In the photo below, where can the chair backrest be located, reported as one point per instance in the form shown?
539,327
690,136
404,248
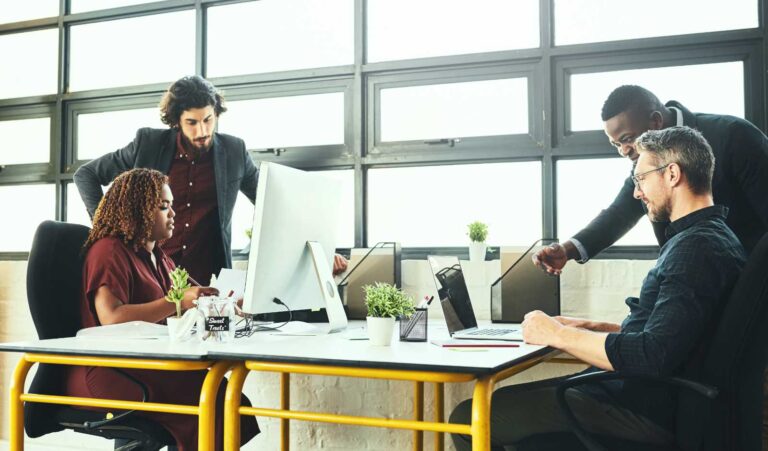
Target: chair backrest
54,279
734,362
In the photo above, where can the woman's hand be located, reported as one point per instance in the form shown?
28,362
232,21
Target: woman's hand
192,293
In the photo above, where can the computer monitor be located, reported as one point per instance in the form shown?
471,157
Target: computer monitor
295,220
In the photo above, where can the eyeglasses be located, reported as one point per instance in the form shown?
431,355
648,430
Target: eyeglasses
637,178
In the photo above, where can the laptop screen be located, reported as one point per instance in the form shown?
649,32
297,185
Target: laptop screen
452,292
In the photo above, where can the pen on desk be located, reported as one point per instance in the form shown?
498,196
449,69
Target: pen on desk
481,345
430,300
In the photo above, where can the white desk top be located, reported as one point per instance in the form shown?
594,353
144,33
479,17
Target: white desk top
161,349
331,349
334,349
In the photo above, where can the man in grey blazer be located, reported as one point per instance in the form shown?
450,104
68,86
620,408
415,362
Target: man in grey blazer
206,170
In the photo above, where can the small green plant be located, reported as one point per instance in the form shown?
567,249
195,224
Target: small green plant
179,283
385,301
477,231
248,233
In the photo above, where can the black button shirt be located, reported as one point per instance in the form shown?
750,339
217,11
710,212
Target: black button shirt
678,306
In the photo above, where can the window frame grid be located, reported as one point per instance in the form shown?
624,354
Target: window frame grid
549,66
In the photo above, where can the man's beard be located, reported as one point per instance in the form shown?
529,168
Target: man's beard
662,213
192,146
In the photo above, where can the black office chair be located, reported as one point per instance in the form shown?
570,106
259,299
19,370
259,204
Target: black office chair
721,393
54,279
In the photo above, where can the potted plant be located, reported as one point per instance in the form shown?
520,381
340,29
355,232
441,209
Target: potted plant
477,232
179,283
385,302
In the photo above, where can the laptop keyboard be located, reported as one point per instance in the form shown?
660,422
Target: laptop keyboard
491,332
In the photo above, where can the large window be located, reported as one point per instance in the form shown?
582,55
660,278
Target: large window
431,206
478,108
280,122
580,21
432,113
26,206
23,75
716,87
279,35
405,29
27,141
100,133
149,49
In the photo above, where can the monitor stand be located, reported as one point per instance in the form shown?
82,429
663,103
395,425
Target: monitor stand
337,319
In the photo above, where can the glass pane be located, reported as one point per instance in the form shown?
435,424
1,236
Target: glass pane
146,57
79,6
455,110
26,141
242,221
100,133
242,216
346,231
23,76
589,91
431,206
580,21
280,35
29,10
76,212
581,196
311,120
38,202
404,29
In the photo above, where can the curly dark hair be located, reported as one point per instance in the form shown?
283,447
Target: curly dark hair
630,98
186,93
127,209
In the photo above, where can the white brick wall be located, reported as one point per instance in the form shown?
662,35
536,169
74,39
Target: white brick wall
596,290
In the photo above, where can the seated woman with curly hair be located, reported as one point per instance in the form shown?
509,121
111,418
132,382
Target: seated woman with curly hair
125,278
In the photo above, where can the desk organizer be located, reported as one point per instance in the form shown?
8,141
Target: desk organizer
414,328
217,319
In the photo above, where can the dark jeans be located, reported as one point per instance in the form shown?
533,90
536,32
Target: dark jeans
520,411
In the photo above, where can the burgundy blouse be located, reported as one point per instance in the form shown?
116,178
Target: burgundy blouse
132,278
130,275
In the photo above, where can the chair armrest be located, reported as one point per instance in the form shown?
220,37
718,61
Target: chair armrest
707,391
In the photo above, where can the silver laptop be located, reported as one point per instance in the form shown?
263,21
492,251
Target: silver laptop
457,307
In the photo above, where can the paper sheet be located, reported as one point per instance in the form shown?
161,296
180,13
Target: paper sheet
231,280
131,329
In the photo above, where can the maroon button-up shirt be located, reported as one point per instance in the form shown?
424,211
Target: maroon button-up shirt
196,242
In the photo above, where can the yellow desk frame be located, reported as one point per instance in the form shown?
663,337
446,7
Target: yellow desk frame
205,410
481,405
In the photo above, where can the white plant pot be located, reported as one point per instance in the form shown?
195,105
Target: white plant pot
175,328
476,251
380,330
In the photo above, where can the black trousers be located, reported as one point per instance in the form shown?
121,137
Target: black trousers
521,411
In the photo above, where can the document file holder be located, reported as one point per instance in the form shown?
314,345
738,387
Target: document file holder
523,287
414,328
381,263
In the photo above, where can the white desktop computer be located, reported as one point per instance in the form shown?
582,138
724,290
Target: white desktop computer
293,242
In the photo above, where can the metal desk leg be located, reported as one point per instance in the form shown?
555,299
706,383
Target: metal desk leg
439,414
232,407
17,405
481,414
206,440
418,414
285,404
